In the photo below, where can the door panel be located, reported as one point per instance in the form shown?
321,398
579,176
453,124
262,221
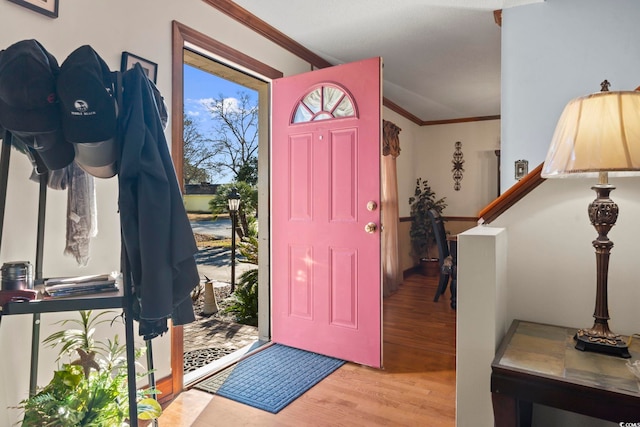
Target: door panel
300,295
300,177
326,280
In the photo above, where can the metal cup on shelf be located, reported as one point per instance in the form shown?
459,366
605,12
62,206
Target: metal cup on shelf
17,275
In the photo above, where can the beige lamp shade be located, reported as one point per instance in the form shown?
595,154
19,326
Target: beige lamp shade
596,133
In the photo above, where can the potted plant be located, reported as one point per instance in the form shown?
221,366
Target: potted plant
421,232
91,390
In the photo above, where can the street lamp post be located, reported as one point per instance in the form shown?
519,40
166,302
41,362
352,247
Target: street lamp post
234,204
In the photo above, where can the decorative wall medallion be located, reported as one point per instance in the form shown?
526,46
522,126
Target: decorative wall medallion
457,166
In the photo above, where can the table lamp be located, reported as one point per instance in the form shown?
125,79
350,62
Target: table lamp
598,134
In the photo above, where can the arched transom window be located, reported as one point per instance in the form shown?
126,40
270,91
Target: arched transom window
324,103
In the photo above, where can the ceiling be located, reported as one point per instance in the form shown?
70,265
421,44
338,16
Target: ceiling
441,57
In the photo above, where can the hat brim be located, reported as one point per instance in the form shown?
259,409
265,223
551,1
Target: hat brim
30,120
98,158
36,160
55,151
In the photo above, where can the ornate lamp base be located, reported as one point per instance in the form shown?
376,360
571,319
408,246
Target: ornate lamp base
603,213
599,342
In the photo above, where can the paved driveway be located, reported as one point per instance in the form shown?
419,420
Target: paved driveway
220,228
215,262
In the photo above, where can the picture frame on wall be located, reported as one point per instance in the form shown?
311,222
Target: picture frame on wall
46,7
129,60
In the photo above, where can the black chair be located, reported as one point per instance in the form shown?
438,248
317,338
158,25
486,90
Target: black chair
447,257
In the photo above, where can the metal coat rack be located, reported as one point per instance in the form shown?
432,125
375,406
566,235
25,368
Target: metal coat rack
36,307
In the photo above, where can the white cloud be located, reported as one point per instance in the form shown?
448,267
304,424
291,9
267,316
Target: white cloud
195,105
230,104
193,113
204,102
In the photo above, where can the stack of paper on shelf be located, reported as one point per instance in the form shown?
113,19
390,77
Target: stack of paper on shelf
81,285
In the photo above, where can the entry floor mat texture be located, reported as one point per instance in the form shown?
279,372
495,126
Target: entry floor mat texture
272,378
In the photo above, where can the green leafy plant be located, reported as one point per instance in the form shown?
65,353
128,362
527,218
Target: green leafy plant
91,390
244,301
245,298
248,205
421,232
248,247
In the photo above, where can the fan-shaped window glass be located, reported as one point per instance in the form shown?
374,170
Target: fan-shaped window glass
324,103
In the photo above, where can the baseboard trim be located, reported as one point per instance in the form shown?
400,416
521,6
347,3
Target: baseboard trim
413,270
165,387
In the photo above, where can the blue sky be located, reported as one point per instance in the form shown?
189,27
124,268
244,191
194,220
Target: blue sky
200,86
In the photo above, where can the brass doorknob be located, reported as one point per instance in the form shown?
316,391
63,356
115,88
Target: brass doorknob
371,227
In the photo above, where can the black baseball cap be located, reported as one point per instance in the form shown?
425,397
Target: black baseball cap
89,111
28,103
55,152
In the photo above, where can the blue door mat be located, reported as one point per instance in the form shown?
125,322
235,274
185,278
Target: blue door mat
272,378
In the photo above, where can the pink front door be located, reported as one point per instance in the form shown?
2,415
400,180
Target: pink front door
326,276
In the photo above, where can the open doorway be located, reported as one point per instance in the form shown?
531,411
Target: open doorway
220,161
205,54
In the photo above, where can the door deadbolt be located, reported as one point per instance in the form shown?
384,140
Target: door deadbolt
372,206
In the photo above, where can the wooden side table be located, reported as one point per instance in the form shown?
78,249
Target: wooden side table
538,363
453,251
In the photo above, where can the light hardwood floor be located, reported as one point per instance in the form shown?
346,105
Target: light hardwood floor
416,387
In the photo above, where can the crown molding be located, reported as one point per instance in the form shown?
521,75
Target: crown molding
256,24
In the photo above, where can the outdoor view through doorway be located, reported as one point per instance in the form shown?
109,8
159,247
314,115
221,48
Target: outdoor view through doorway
220,154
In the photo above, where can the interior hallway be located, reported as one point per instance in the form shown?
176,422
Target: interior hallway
417,386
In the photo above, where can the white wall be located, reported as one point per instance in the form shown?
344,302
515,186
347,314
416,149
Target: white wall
553,52
551,266
550,278
142,27
481,321
433,155
550,272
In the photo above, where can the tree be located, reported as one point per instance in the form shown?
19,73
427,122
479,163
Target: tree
235,130
249,172
198,154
